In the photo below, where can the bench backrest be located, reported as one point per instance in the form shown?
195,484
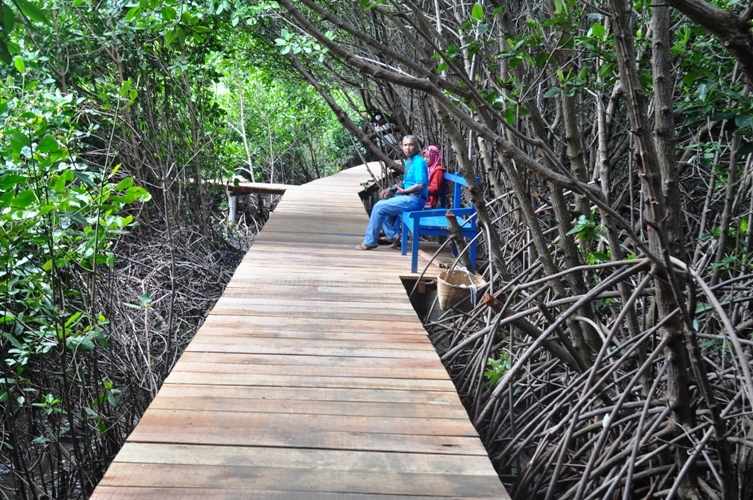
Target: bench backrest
458,181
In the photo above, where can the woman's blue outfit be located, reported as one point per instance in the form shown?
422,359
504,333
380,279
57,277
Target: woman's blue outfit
385,213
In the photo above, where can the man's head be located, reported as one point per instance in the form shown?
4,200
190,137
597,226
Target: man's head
410,146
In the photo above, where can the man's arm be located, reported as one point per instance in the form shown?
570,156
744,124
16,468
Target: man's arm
414,188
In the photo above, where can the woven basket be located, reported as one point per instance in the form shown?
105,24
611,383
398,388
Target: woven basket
454,289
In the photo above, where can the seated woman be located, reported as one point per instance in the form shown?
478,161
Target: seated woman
433,158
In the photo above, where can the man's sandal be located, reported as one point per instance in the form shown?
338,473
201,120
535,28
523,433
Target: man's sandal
364,246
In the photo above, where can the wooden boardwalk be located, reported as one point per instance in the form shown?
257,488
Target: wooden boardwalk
311,378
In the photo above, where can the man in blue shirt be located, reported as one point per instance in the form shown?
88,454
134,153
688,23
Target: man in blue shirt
411,196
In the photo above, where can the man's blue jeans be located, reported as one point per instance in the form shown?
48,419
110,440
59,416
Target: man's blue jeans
384,216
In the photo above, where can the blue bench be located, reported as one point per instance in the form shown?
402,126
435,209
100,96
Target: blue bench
433,222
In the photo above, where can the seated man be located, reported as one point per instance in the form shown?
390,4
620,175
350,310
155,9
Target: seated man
411,196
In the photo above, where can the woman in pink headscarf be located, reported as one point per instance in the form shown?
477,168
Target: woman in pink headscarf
433,158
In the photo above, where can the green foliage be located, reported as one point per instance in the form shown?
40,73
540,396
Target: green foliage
705,87
55,215
58,220
9,19
587,229
297,44
497,368
290,132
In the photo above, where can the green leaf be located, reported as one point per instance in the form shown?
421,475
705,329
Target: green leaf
124,184
510,114
8,181
48,144
743,121
19,63
478,12
79,343
7,18
442,67
560,7
10,338
60,183
23,199
73,319
133,13
170,36
598,30
702,92
606,70
743,226
169,14
31,11
5,56
125,87
7,317
552,92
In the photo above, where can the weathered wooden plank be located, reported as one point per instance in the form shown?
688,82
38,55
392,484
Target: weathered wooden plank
314,326
382,396
281,361
307,334
382,325
273,405
299,480
248,456
298,305
139,493
181,377
250,423
207,344
405,373
295,438
393,297
318,344
353,315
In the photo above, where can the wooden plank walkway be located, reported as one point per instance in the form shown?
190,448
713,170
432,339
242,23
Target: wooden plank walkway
311,378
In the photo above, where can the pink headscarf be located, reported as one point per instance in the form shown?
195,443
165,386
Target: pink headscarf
434,157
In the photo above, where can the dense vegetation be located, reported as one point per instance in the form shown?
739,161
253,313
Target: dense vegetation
613,144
